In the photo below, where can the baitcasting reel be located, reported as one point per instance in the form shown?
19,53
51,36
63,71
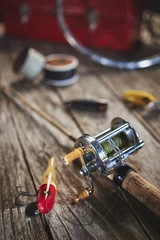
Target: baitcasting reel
107,150
107,153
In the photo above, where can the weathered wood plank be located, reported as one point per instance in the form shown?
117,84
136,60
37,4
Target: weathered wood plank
144,166
12,172
80,90
137,208
83,123
54,108
94,123
151,223
67,182
32,224
120,82
91,86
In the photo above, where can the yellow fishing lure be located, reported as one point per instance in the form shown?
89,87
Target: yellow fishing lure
138,97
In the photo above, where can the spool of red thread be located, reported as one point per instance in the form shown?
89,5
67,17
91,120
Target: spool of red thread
61,70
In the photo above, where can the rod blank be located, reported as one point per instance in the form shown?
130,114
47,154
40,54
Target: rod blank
13,94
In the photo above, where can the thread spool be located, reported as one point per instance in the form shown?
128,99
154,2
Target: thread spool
29,62
60,70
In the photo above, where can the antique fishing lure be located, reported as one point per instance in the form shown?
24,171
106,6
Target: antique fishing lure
106,153
99,105
143,99
138,97
46,194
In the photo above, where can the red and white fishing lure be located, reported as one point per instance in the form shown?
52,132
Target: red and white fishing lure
46,194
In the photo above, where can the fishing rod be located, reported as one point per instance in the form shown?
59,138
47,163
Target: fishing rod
13,95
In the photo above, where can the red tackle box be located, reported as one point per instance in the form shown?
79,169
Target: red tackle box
115,23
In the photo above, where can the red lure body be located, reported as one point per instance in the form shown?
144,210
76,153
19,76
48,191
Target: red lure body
47,191
46,198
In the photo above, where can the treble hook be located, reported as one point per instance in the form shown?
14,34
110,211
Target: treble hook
22,193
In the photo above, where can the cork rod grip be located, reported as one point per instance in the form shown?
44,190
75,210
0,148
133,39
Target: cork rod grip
142,190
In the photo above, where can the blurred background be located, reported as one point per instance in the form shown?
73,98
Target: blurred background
111,25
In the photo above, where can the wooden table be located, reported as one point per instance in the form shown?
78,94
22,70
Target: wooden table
108,214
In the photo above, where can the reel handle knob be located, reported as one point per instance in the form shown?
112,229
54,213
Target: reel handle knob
138,187
76,153
80,196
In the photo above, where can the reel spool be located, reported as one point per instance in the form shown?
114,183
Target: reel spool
107,150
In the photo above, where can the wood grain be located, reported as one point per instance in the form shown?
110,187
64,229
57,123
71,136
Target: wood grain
146,80
14,224
67,183
92,219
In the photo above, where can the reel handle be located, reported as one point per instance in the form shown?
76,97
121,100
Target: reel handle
75,154
138,187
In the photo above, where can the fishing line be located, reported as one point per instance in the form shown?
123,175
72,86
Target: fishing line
94,215
120,189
